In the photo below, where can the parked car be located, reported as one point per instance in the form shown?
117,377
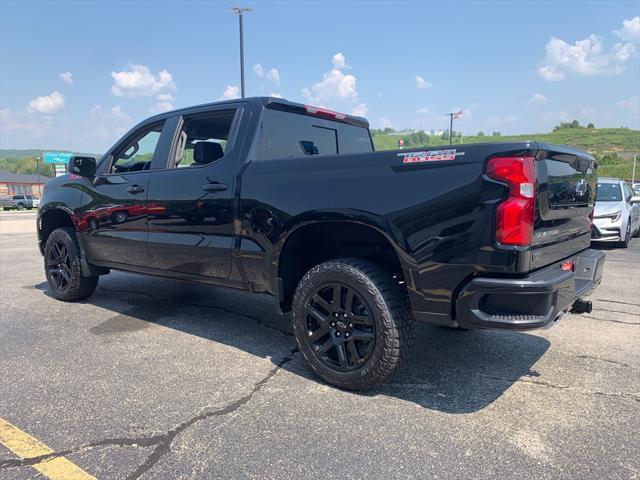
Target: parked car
20,202
266,195
616,217
636,189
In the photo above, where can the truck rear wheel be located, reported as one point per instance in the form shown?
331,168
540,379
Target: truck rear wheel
351,322
63,268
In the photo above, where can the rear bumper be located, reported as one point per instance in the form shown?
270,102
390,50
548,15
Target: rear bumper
528,302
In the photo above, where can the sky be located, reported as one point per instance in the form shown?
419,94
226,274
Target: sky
76,75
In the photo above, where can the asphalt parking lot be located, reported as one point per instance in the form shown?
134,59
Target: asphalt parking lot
153,378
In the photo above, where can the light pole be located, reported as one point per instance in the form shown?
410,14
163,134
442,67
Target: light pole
451,117
38,174
241,11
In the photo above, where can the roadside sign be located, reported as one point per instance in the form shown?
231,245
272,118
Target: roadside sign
60,169
57,157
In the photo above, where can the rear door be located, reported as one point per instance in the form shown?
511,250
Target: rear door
113,217
566,191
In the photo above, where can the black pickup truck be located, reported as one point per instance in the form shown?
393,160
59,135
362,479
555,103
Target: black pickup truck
270,196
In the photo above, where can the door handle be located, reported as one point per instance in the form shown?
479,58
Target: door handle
215,187
135,189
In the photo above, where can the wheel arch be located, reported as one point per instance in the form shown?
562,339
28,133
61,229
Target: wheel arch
54,217
311,242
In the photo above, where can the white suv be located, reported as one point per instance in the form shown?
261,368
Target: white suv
617,214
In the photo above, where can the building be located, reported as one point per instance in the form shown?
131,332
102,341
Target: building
21,184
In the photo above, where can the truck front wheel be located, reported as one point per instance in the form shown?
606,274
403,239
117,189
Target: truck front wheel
351,322
63,268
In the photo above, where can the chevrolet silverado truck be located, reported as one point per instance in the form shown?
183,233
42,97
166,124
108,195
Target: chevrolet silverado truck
270,196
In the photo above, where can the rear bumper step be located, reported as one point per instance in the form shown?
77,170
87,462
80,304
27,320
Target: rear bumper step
533,301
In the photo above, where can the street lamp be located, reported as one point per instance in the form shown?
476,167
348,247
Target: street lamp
241,11
453,115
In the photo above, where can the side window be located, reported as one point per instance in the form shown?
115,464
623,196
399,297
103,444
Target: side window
286,135
204,139
137,153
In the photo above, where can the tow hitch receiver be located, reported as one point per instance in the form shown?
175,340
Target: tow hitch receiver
581,306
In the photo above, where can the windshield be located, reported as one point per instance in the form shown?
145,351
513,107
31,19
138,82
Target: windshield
609,192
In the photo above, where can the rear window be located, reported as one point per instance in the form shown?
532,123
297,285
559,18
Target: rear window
287,135
609,192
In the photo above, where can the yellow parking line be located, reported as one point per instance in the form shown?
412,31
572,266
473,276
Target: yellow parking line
25,446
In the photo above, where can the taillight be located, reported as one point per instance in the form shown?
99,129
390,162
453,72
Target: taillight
515,216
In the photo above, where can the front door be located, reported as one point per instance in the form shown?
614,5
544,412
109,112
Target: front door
113,218
190,203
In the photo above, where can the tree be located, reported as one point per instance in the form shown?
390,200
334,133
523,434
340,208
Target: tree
496,134
388,130
481,133
591,125
575,124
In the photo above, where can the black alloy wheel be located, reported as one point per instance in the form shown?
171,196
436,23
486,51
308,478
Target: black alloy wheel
59,265
340,328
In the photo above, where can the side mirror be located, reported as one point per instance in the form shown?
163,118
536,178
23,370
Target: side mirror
635,199
83,166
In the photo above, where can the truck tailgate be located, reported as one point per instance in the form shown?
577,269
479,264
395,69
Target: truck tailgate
566,189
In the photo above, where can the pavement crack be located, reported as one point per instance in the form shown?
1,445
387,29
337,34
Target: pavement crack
543,383
618,301
162,442
593,357
610,320
202,305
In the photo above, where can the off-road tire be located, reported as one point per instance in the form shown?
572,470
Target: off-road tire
77,287
387,304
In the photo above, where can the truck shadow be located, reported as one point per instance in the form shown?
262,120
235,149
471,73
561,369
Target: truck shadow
449,371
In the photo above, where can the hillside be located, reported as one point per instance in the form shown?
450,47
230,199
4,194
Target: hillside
613,147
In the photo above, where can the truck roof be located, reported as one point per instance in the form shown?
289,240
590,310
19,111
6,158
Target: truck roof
276,104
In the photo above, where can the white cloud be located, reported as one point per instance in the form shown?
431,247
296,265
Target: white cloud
67,77
231,92
559,116
422,83
335,85
384,122
537,99
164,103
360,110
632,105
14,122
273,75
631,102
424,111
47,104
276,95
108,125
630,29
584,57
138,81
549,73
339,61
258,70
